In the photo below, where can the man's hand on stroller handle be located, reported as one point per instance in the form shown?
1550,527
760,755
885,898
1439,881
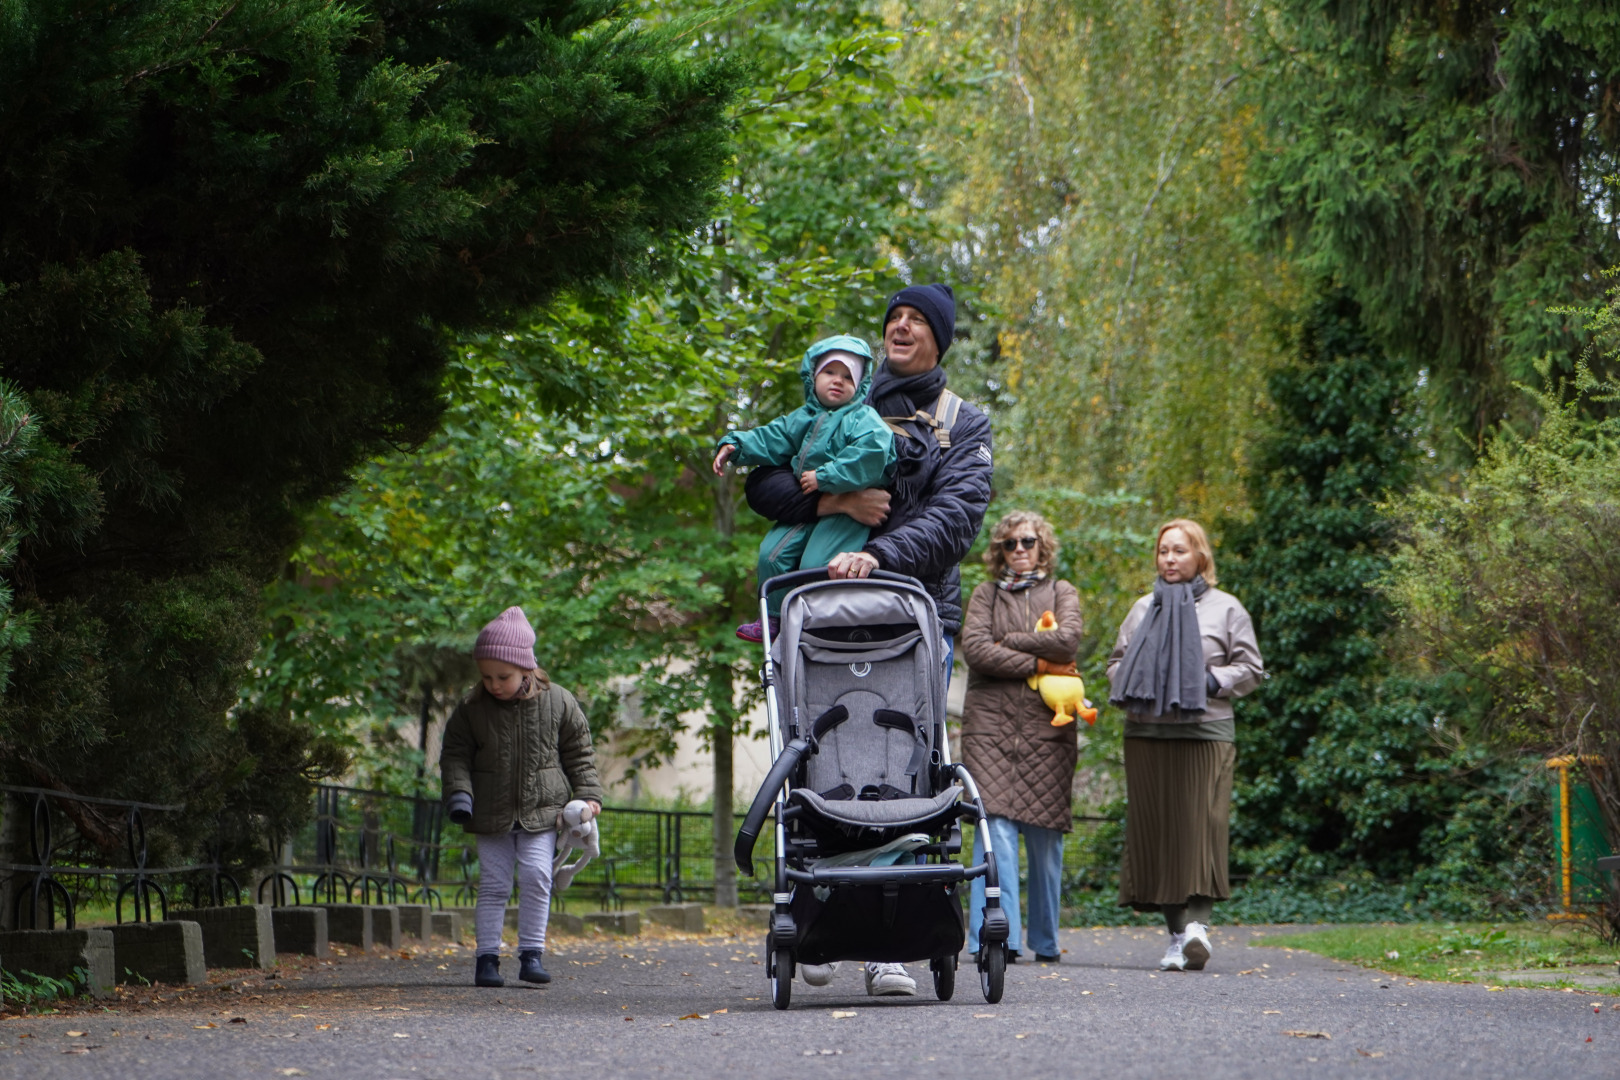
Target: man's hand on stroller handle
851,564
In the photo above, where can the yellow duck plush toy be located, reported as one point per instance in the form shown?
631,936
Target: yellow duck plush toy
1065,694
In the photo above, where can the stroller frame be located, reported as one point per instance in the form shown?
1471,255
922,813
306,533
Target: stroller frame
792,869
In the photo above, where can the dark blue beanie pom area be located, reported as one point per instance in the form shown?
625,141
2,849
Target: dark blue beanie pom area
938,306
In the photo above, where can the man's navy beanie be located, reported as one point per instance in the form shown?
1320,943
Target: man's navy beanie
938,306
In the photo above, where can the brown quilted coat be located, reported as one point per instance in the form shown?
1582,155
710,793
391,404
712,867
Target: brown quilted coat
1023,765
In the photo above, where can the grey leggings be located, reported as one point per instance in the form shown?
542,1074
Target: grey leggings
1196,909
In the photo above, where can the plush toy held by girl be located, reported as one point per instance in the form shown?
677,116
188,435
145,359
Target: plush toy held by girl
835,443
515,752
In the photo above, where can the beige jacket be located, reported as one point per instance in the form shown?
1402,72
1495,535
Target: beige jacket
1230,651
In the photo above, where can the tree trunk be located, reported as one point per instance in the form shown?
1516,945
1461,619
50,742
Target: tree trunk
724,865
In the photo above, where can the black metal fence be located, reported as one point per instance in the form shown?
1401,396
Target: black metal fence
374,846
379,847
69,837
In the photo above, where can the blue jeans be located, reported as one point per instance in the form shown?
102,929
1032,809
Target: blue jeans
1045,848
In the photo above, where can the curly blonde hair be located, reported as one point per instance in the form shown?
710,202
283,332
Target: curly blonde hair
1199,541
996,559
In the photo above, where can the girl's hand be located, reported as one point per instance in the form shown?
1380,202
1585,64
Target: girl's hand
596,807
807,482
721,456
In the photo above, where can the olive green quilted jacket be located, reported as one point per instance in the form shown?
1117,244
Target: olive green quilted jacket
520,760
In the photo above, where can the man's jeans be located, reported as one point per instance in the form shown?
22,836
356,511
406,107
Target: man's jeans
1045,883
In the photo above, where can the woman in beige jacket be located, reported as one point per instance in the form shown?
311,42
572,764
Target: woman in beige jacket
1024,765
1184,652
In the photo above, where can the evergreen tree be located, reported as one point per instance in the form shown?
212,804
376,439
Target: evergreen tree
1444,163
1345,762
238,239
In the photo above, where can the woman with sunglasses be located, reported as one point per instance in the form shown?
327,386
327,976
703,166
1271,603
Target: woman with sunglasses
1183,653
1023,764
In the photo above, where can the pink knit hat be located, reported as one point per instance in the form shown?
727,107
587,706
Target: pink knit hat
508,637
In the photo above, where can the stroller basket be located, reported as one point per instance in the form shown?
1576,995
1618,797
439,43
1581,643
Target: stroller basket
866,801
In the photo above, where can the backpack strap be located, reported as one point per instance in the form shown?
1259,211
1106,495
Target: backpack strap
940,421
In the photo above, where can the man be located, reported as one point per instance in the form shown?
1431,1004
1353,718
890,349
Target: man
925,525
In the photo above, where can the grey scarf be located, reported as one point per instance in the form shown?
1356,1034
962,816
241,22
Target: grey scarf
1163,670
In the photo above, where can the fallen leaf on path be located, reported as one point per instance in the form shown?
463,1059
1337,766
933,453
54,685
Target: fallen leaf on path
1308,1034
717,1012
1369,1053
984,1016
400,1035
629,1018
323,1027
1085,993
202,1027
841,1015
1272,1012
292,1072
77,1050
1493,989
695,1016
77,1034
1023,1035
238,1019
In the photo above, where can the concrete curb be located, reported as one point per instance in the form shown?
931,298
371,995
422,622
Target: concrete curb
168,952
301,930
235,936
55,953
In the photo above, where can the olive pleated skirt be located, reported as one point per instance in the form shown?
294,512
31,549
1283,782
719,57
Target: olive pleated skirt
1178,803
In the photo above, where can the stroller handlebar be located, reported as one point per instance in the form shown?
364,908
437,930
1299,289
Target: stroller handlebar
794,578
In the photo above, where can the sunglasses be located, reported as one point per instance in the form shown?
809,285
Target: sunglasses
1025,542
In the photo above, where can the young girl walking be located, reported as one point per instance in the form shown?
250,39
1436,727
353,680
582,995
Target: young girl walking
515,751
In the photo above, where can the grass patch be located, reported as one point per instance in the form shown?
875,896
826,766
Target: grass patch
1460,952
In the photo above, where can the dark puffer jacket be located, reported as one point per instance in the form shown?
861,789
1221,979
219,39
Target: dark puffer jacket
521,760
1023,765
937,501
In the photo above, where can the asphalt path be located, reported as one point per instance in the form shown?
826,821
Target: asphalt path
698,1006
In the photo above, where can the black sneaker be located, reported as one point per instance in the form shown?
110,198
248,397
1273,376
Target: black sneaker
489,971
1043,958
531,969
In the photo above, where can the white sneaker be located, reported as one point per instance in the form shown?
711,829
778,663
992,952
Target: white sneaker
1174,959
1195,946
889,980
818,974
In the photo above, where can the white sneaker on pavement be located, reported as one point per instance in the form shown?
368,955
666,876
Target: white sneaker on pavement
1195,946
818,974
889,980
1174,959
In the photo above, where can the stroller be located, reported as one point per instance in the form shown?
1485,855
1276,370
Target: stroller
863,789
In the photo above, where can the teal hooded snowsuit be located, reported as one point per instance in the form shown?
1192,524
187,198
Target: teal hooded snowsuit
850,448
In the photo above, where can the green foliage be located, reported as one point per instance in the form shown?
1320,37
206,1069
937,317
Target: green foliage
236,245
572,475
1443,163
29,990
1347,762
1511,582
1099,158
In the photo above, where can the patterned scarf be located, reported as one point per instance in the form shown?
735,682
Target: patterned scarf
1014,580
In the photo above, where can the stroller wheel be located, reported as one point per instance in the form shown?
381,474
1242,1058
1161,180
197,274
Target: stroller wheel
944,977
782,979
781,972
992,970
